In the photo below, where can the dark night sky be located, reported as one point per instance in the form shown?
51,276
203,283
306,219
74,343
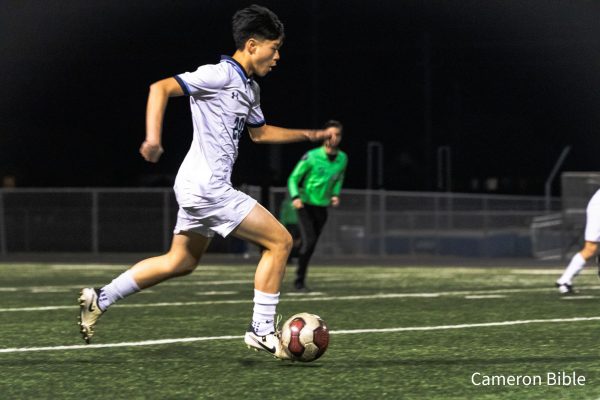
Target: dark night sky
505,84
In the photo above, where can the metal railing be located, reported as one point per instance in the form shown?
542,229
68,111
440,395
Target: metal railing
384,223
94,220
367,222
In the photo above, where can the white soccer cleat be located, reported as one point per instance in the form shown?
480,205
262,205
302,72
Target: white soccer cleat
565,288
89,312
270,343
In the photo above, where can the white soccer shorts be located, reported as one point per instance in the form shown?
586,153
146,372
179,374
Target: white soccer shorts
221,214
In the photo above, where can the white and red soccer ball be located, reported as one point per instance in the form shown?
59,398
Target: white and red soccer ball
305,336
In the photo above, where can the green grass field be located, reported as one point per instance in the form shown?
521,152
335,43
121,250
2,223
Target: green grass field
398,333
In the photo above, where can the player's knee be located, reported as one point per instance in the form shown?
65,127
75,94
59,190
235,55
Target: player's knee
592,248
286,242
182,265
589,250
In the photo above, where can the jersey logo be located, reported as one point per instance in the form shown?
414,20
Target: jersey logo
238,127
235,95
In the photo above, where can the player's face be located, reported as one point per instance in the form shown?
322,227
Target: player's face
334,140
265,56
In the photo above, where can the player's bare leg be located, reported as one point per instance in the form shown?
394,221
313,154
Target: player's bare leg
187,248
261,228
186,251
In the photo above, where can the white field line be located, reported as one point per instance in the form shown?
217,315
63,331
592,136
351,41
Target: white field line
294,298
214,293
578,297
110,267
58,288
337,332
557,271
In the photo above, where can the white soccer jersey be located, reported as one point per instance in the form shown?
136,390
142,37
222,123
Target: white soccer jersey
592,224
223,100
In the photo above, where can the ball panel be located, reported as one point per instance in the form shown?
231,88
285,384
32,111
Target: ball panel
321,337
295,345
321,340
310,353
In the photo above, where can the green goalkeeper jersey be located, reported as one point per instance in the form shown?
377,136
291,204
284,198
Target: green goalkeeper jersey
316,178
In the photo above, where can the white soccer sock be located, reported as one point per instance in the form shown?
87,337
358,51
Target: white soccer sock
120,287
575,266
263,319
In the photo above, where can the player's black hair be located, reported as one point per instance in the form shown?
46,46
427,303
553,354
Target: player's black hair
258,22
334,123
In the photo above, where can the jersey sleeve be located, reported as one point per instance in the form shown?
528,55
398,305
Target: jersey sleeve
207,80
255,116
296,176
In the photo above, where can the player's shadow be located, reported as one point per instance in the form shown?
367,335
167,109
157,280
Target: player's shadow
276,364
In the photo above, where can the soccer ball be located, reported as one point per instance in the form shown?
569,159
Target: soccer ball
305,336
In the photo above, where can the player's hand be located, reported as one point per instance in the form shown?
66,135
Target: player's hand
320,135
151,151
297,203
335,201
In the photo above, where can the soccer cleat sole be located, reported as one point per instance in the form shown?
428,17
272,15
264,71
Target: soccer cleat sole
258,351
85,333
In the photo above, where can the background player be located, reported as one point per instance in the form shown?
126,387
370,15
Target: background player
590,248
224,98
315,183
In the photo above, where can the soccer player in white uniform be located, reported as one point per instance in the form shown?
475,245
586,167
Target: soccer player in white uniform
224,98
590,248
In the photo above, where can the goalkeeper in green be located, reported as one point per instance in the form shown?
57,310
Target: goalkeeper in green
314,185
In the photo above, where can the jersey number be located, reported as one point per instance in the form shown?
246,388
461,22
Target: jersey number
238,127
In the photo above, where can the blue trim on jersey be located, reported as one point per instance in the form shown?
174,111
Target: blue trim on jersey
183,85
238,67
256,125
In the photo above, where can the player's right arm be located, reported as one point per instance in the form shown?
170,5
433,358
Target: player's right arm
158,98
275,134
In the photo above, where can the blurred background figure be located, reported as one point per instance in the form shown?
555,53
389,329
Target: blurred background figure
589,250
314,185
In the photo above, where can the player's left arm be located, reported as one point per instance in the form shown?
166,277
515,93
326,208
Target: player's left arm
337,187
275,134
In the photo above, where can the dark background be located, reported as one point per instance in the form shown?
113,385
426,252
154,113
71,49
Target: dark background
505,84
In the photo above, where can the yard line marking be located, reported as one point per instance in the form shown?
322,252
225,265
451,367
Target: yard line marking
304,299
214,293
85,268
77,287
336,332
549,271
123,267
578,298
201,283
462,326
293,294
123,344
486,296
49,290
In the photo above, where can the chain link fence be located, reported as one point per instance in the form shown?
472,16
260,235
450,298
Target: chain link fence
367,222
99,220
387,223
